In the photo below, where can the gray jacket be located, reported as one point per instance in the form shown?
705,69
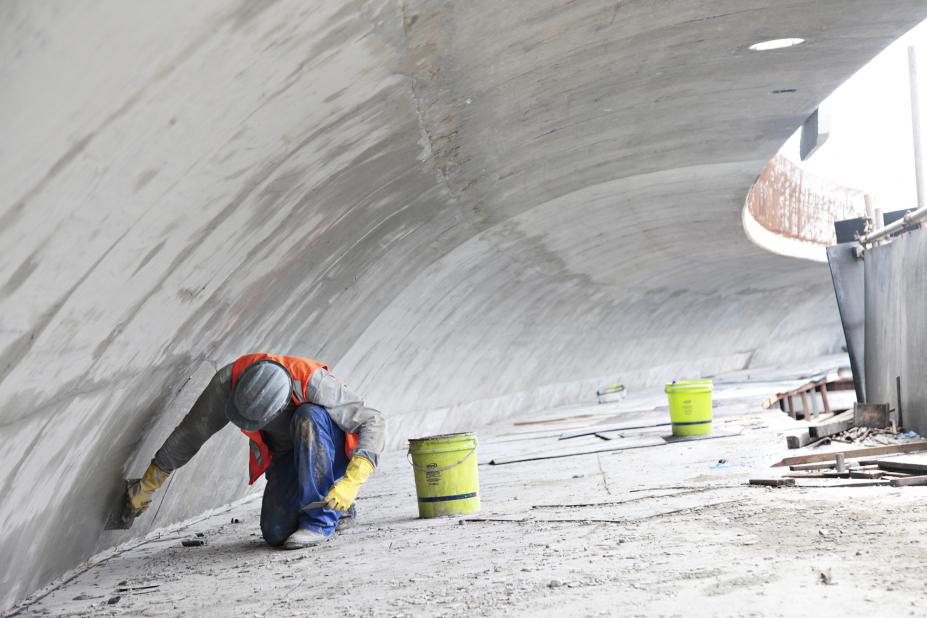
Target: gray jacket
207,416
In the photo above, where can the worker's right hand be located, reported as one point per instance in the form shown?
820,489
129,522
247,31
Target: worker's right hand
139,491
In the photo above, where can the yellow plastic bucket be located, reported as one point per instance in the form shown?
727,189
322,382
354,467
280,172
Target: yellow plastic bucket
446,479
690,407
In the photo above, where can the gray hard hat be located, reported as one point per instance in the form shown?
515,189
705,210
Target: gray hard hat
261,393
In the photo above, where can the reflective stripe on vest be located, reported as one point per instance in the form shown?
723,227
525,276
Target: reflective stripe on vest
300,370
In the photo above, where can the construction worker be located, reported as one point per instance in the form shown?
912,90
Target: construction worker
315,439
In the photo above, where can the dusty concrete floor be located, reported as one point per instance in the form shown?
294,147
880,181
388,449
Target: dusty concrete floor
674,536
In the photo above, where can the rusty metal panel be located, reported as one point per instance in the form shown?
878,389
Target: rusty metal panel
788,201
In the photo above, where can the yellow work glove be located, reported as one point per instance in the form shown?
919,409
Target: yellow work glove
343,493
139,491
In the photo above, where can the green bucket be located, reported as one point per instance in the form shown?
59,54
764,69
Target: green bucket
446,479
690,407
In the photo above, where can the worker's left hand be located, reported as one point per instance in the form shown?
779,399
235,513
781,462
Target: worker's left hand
343,493
139,491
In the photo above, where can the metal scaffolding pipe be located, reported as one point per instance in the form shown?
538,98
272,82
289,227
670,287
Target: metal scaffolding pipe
915,216
916,129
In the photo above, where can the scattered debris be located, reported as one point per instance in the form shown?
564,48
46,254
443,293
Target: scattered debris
834,425
601,430
798,440
911,481
910,447
826,578
812,466
722,463
548,421
612,393
113,600
235,520
139,589
193,542
688,509
656,441
808,393
864,472
872,415
907,467
847,483
780,482
87,597
841,463
685,490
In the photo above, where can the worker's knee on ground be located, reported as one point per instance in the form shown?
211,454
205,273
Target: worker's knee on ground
275,534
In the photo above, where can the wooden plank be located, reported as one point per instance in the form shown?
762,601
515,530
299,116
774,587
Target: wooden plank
824,397
798,440
902,466
835,425
780,482
910,481
850,474
851,483
866,474
908,447
811,466
875,460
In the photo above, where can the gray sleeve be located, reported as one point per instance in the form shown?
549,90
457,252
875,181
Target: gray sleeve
206,417
350,413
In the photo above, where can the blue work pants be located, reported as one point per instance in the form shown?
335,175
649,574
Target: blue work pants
303,476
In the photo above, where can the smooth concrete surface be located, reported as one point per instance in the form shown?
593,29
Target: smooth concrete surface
896,328
468,209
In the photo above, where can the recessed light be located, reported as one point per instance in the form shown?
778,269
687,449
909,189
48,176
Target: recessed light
776,44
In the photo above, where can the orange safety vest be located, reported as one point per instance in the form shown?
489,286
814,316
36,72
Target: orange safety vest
300,370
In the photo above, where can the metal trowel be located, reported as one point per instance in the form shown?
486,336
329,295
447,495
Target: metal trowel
122,515
316,505
313,506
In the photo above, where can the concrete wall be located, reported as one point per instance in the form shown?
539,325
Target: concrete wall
469,209
896,327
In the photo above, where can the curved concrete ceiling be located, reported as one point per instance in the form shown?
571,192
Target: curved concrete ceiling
467,208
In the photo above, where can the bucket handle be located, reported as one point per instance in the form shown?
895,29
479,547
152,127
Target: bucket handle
444,469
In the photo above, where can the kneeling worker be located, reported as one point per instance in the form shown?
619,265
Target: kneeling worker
315,439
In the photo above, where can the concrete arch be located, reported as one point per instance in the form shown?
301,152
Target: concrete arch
466,208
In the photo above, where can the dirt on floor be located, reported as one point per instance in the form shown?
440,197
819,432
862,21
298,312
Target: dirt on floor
663,530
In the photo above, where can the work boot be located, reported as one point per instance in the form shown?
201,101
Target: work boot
348,519
304,538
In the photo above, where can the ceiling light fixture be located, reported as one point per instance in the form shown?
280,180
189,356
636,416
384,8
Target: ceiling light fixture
776,44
